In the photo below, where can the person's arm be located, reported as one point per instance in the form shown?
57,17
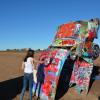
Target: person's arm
37,61
32,62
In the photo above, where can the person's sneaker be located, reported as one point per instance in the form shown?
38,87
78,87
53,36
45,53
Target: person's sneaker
38,98
34,95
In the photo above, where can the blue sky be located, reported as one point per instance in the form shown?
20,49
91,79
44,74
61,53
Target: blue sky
33,23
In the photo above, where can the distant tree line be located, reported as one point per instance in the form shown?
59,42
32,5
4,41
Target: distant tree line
22,50
16,50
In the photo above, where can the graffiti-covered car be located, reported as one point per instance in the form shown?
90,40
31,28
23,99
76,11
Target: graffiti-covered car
79,33
74,41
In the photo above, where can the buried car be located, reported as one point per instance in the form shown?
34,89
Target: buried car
73,42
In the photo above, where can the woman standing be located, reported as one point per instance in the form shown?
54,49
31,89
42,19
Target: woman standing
28,66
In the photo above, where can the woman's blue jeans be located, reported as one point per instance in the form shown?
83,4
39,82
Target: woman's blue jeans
27,77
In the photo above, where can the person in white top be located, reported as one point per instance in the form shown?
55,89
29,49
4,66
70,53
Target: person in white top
28,66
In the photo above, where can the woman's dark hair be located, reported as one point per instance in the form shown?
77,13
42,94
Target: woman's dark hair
91,20
30,53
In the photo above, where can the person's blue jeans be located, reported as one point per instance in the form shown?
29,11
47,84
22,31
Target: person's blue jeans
38,84
27,77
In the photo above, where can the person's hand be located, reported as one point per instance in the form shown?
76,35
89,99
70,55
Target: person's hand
42,62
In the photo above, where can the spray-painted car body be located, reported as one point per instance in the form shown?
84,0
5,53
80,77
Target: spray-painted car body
76,33
74,40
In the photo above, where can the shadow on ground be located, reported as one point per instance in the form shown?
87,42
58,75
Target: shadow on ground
10,88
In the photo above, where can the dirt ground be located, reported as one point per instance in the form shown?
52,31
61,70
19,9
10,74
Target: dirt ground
11,79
